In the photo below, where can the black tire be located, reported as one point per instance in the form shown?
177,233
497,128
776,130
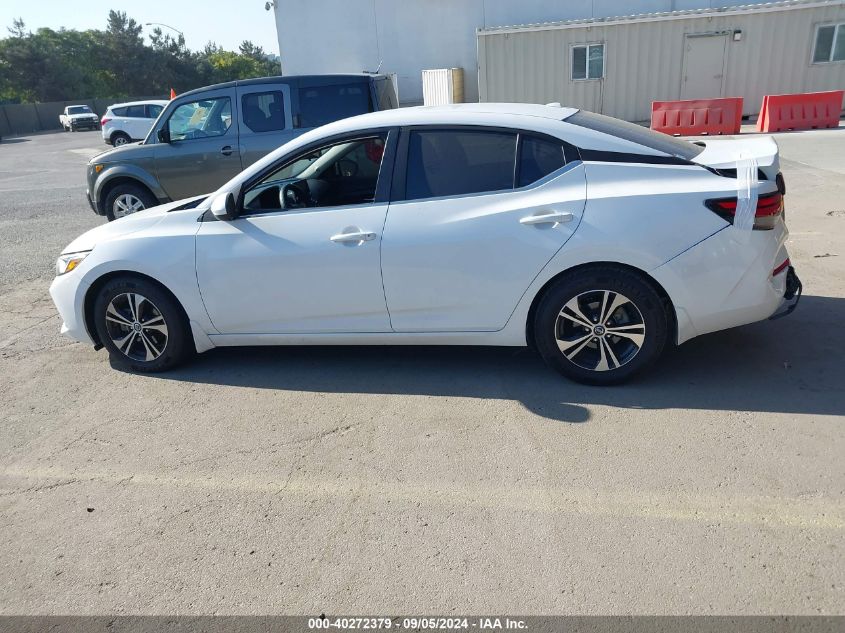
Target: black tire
150,349
596,355
120,138
128,189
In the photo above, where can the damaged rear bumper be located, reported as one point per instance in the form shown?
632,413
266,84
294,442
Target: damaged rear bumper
792,294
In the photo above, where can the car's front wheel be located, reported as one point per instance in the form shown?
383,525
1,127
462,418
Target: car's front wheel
601,326
141,325
125,199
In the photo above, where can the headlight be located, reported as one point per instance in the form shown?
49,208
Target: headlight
67,263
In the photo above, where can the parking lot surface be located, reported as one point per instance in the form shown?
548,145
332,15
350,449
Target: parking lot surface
419,480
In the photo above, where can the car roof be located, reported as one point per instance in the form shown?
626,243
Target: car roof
289,79
489,114
160,102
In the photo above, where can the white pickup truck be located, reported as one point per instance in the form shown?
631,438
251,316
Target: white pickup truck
78,117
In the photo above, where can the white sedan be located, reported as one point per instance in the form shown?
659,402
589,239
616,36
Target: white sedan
594,240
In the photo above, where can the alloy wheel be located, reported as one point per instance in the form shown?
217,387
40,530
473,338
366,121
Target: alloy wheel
136,327
600,330
120,140
126,204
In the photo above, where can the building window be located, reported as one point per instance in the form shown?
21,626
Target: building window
830,44
588,62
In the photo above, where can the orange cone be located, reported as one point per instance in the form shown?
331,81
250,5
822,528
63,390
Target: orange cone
172,93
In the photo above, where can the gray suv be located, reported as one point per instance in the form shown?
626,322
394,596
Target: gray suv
206,136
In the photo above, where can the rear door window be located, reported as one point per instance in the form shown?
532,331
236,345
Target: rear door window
264,111
135,111
319,105
459,162
537,159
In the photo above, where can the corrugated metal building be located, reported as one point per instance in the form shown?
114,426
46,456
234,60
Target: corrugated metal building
617,66
406,37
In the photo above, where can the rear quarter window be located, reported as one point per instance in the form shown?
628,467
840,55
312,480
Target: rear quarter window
538,158
319,105
635,134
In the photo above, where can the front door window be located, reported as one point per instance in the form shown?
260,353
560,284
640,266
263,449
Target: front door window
344,173
200,119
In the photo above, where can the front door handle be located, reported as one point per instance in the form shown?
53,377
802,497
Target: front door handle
357,237
547,218
226,150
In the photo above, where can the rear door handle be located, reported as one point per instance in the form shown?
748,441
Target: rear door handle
547,218
360,236
227,150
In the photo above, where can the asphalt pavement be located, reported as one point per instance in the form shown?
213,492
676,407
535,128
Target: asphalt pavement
419,480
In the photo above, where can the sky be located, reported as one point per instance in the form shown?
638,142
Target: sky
226,22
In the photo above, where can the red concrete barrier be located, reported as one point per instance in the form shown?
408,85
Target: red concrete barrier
805,111
697,116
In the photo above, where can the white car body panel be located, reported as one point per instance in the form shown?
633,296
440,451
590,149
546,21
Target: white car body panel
297,277
725,153
726,281
155,243
461,270
462,263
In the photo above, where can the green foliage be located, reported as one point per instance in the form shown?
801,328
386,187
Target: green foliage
66,64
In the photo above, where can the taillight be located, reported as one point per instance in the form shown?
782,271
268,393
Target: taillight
769,208
104,120
777,271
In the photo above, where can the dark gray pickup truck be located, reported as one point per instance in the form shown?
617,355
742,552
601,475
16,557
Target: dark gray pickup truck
206,136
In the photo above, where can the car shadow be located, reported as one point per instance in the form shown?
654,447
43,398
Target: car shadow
791,365
10,141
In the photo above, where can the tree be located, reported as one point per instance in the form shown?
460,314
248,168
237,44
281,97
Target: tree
18,28
115,63
248,49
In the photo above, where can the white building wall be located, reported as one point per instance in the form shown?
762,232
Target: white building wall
408,36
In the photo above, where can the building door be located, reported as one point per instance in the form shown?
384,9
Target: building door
704,66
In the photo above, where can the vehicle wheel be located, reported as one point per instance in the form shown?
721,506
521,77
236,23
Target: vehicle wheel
120,138
601,326
126,199
141,325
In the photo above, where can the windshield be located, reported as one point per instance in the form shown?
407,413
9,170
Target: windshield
79,110
635,134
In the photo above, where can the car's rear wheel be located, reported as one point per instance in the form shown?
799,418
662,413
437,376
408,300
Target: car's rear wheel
120,138
601,326
141,325
126,198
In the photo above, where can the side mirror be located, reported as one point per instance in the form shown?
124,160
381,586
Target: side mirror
164,134
223,206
